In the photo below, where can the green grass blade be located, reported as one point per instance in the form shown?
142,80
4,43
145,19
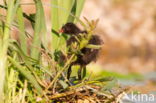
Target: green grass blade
40,29
63,18
58,18
11,84
22,36
55,25
27,74
1,34
73,12
79,7
76,11
64,14
54,15
4,42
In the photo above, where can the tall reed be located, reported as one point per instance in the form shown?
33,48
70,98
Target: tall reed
4,42
16,61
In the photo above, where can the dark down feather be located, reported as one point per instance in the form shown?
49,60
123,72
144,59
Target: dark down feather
89,54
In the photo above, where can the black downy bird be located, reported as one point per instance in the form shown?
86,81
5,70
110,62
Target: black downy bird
89,54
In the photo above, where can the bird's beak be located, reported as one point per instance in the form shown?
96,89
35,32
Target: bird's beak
61,31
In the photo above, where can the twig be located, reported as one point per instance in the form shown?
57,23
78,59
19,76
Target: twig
59,95
59,73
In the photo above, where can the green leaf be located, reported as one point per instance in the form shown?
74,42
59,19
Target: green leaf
40,29
4,42
63,84
59,16
65,12
110,85
73,12
79,7
55,25
1,34
22,36
27,74
93,46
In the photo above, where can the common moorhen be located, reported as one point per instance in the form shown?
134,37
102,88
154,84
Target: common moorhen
88,54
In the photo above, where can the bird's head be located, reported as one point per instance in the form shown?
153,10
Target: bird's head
70,28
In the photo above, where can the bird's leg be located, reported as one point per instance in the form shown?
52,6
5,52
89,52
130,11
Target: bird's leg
82,72
69,71
79,73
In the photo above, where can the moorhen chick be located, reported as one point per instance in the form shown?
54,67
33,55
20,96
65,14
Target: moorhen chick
88,54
